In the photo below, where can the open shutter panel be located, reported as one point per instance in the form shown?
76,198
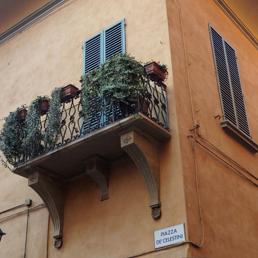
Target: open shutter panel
92,53
114,40
223,77
237,90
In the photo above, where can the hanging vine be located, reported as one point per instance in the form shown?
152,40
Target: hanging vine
120,78
11,137
32,143
53,119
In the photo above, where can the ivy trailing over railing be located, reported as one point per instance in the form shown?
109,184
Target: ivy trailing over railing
121,78
54,119
23,135
32,145
11,137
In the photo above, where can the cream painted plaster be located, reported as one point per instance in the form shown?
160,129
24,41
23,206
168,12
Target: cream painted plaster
14,224
49,54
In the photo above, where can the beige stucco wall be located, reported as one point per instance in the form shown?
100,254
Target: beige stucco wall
49,54
220,175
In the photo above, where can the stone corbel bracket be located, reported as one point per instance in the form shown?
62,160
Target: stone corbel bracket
96,168
144,153
51,192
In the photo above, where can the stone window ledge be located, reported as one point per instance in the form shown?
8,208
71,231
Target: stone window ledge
239,136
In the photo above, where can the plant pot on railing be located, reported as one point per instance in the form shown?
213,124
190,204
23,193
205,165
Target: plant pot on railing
68,92
44,106
156,72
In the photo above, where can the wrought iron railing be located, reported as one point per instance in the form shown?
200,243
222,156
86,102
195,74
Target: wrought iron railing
104,111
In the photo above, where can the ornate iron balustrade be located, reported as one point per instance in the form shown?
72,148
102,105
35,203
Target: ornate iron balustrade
103,112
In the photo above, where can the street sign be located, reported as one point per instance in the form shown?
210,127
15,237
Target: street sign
169,236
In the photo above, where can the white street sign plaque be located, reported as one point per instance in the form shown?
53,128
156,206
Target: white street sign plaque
169,236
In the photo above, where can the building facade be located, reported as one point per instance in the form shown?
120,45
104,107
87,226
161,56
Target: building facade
193,164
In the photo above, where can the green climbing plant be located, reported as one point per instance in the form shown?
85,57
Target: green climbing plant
32,142
11,136
53,120
120,78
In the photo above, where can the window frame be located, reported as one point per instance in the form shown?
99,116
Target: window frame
102,43
229,127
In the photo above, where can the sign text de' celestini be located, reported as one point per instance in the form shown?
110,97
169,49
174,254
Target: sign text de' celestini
169,236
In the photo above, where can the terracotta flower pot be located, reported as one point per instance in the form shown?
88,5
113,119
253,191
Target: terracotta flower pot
68,92
155,72
44,106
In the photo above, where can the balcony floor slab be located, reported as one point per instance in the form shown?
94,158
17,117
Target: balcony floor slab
68,161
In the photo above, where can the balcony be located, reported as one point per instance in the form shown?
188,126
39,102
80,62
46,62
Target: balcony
85,145
108,119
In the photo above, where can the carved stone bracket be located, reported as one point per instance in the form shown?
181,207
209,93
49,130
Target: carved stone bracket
53,196
96,168
144,153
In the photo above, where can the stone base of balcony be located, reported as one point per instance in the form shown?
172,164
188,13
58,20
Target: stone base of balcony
65,161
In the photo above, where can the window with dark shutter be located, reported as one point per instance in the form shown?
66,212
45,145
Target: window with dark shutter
232,100
241,117
103,46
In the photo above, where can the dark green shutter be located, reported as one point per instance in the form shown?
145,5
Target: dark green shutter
237,90
229,83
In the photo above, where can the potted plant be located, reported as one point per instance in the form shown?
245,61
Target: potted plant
53,119
68,92
32,142
120,79
156,72
11,136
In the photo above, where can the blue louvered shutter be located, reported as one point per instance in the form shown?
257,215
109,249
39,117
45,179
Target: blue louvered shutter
114,40
103,46
92,53
229,83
